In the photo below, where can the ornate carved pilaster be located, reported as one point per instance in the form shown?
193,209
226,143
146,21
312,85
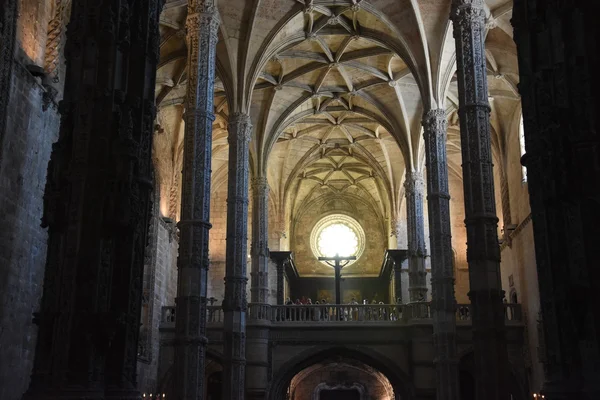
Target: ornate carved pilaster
97,206
483,251
235,303
259,290
443,303
192,264
417,274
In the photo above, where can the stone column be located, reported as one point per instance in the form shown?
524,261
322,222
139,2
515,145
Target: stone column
443,302
192,263
259,289
415,226
235,303
397,284
560,101
97,206
483,251
281,258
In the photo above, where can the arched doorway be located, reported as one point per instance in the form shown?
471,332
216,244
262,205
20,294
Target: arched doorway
214,386
339,373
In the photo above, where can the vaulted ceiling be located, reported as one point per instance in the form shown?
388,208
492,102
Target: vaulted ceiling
335,89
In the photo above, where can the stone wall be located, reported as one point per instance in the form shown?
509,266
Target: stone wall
375,236
162,275
24,159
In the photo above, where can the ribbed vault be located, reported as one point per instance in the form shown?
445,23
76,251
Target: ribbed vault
336,91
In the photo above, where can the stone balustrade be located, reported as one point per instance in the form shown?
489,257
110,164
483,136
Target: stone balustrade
345,313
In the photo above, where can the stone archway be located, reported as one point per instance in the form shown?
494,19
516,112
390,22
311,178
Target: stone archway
400,386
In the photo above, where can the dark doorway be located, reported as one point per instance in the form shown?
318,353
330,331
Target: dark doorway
467,386
339,394
214,387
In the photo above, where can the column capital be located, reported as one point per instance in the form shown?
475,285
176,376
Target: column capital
435,121
414,182
240,125
196,20
467,11
260,184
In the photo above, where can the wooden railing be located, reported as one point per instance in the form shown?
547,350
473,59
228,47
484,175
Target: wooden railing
340,313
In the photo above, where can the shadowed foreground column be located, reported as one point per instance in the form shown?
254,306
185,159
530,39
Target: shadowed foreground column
97,205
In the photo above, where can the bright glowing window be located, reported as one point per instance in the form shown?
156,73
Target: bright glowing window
337,239
522,146
337,234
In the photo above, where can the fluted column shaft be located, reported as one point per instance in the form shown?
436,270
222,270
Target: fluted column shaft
483,252
259,289
235,303
415,226
192,264
97,205
443,302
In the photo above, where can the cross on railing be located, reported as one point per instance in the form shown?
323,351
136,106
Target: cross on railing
337,265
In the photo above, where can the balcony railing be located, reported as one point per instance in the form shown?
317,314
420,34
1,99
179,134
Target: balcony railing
346,313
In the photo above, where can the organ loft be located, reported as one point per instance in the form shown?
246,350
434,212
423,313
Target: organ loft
299,200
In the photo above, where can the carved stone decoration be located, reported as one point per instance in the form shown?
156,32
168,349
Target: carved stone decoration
483,251
97,206
235,302
8,23
192,263
259,290
56,28
417,274
443,302
558,85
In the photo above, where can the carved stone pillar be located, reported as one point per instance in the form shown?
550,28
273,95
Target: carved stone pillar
192,263
397,257
483,251
235,303
560,102
97,206
415,226
259,289
443,302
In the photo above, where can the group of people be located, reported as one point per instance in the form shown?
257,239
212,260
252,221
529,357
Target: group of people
308,311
